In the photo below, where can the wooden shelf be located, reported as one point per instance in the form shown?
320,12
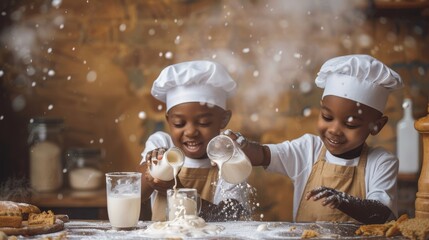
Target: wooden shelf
391,4
399,9
408,177
70,199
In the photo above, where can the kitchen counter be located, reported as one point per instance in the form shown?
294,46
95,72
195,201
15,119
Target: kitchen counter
92,229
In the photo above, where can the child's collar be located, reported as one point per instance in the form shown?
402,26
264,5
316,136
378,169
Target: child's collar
341,161
197,163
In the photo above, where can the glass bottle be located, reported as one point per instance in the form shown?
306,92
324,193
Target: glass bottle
407,143
84,168
45,150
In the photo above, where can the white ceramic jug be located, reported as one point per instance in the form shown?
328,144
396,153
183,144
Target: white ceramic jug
234,166
168,167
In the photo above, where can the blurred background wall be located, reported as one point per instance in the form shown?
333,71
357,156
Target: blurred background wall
92,63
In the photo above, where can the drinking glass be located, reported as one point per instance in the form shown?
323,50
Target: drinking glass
123,199
182,202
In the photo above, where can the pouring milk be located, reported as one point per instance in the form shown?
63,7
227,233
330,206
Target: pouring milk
167,168
234,166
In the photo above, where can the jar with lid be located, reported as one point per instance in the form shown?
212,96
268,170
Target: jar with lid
84,168
45,149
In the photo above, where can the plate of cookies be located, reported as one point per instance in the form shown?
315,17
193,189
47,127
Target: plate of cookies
26,219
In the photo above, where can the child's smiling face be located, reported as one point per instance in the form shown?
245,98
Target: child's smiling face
192,125
344,125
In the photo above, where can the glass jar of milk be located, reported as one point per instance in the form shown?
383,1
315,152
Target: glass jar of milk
45,149
84,168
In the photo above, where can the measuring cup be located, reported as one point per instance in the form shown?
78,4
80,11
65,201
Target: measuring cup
182,202
233,164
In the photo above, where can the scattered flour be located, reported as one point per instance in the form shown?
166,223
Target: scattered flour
187,226
262,227
197,228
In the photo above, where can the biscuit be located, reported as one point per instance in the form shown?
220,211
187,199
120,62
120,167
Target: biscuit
26,209
10,214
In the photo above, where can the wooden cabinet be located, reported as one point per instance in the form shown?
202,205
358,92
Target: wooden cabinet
407,189
76,204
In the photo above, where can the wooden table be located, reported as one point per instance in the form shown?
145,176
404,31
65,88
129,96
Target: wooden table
92,229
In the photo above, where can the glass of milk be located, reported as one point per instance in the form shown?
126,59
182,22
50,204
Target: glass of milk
182,202
123,199
234,166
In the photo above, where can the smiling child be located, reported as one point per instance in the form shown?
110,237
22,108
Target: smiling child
336,175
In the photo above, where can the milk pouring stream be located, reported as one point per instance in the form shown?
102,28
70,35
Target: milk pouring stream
234,166
168,167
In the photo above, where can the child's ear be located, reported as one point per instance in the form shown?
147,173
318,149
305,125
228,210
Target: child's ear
379,124
226,117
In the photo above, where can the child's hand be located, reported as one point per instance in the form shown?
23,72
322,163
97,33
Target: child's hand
159,185
153,157
258,154
226,210
236,136
366,211
332,198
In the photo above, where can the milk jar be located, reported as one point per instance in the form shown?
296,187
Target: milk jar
234,166
167,168
45,153
84,168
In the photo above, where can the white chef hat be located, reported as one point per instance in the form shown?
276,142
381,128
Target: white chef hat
360,78
195,81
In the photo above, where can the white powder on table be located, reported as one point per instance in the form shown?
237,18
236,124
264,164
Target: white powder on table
187,226
196,228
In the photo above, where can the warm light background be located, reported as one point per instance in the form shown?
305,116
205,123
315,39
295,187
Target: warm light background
93,62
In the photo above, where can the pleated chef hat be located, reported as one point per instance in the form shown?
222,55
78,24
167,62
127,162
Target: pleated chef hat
195,81
360,78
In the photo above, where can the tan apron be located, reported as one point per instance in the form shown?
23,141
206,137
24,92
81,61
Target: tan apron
348,179
201,179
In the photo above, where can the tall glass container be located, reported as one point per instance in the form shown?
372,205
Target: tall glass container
45,148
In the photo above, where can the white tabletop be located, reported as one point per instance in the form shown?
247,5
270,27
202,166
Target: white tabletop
95,229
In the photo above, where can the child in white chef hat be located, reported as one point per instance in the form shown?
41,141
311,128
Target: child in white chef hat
195,94
336,176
